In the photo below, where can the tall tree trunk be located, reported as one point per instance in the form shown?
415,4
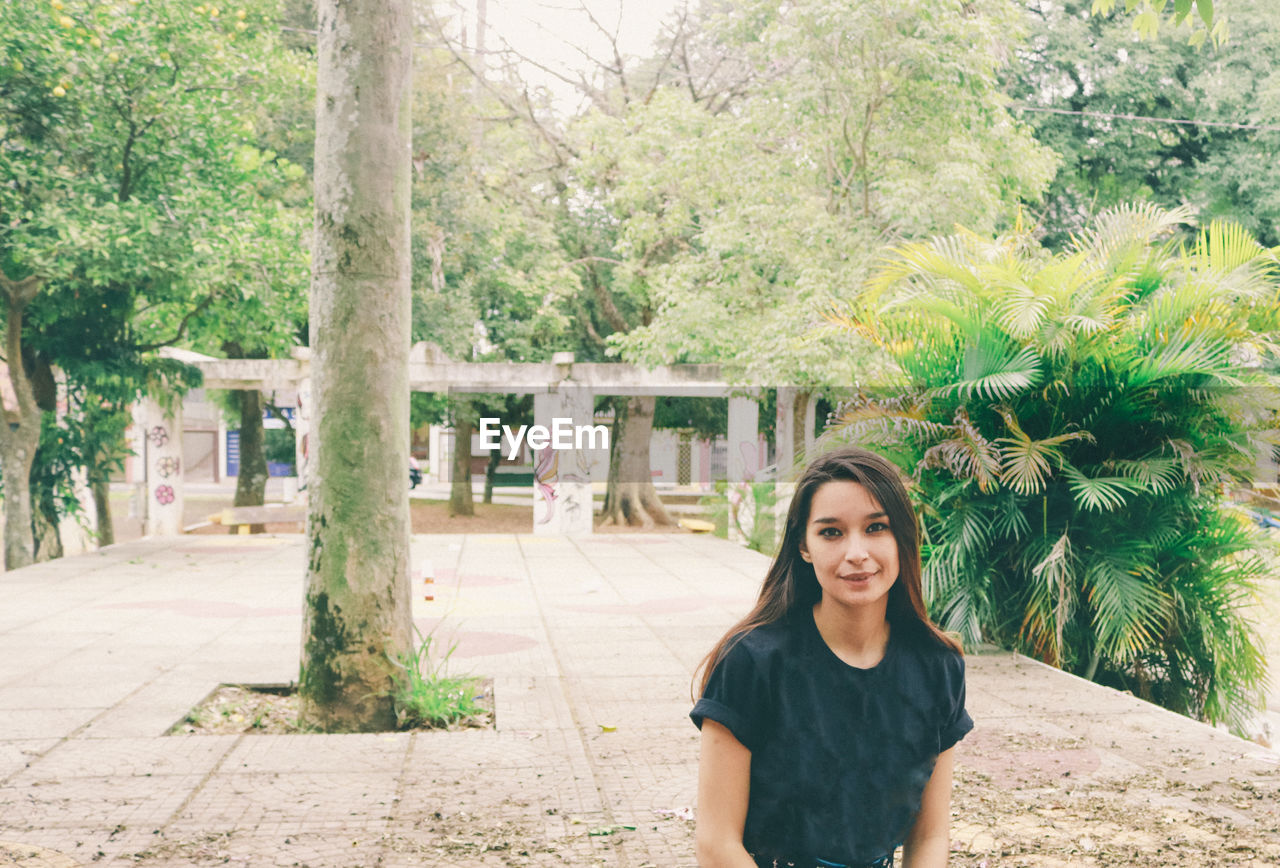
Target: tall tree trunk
20,436
357,618
461,501
101,488
251,484
490,471
630,498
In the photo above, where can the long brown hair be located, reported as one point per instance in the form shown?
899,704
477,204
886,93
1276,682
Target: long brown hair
791,584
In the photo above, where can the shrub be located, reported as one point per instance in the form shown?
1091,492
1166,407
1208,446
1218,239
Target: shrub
1072,424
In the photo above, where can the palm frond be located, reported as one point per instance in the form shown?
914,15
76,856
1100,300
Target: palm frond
1050,604
947,259
1129,609
1025,463
1130,225
995,374
1009,523
1225,245
1179,358
1099,493
966,454
1157,475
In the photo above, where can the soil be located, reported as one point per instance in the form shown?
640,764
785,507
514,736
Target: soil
273,710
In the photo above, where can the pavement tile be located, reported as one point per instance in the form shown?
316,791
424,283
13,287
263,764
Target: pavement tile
279,802
17,754
382,753
93,802
128,757
35,723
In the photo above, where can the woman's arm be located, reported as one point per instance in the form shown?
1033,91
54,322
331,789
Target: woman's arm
929,843
724,780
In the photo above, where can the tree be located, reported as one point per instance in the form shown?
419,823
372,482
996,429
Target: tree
129,171
1072,422
357,620
1097,97
863,125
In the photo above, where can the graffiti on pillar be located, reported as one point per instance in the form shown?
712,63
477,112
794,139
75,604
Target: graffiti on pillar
168,466
544,477
159,435
744,507
571,503
165,495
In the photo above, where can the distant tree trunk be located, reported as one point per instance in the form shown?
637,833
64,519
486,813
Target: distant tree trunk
491,470
461,501
630,498
357,618
44,528
101,489
251,484
20,436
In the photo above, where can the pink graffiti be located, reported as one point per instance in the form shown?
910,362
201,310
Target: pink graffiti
158,435
544,475
165,495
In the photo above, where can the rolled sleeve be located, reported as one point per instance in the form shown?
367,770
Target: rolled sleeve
736,697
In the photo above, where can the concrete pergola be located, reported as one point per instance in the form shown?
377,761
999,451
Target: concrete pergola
562,389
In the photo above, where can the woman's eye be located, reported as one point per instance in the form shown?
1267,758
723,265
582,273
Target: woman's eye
829,533
877,527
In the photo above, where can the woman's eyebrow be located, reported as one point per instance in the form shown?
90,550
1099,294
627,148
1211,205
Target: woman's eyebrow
833,520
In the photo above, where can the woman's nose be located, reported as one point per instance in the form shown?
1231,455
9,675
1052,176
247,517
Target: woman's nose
856,550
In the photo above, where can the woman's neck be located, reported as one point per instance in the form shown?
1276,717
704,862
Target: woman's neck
859,637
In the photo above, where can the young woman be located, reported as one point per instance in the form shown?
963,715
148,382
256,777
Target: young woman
829,713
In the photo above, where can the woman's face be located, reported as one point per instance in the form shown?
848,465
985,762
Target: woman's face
851,546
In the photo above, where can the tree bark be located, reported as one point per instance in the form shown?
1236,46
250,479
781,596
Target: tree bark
44,528
461,501
251,484
357,618
20,436
101,489
630,498
490,471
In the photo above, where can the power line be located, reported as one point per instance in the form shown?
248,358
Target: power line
1145,119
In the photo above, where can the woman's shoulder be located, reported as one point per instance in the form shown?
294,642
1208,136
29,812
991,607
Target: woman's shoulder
932,654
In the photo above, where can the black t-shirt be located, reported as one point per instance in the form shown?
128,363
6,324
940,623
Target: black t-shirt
839,755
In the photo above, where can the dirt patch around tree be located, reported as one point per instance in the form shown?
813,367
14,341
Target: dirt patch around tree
272,709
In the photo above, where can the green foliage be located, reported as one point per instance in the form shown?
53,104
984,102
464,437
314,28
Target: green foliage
279,445
836,146
1071,423
1080,64
746,508
137,190
426,695
1147,15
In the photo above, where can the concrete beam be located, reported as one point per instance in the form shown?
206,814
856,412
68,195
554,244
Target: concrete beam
700,381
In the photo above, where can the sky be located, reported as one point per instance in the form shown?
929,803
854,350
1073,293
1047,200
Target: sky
552,31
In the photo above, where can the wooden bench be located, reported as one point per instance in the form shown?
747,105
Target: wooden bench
242,518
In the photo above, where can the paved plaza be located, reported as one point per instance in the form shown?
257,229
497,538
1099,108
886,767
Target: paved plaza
590,643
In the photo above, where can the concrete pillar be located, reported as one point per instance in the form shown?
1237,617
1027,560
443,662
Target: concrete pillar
784,431
744,466
810,421
744,439
562,496
162,435
78,533
302,445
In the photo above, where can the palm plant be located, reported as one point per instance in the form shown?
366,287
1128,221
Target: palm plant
1072,424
